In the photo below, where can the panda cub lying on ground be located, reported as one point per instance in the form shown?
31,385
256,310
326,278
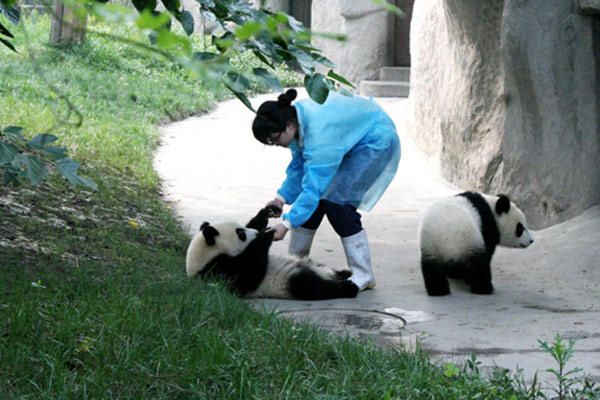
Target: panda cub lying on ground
458,236
240,255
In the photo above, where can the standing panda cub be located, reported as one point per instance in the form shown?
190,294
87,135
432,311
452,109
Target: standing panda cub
458,236
240,255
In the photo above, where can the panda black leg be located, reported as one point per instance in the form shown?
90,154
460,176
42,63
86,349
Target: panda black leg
455,271
479,274
434,276
308,285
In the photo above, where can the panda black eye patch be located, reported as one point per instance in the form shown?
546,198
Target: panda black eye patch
520,229
241,232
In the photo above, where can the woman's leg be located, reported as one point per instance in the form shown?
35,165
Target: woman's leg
301,238
345,220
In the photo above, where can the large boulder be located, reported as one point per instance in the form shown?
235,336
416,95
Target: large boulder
506,98
367,28
551,140
456,88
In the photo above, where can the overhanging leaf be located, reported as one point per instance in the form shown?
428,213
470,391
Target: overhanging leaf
237,82
187,22
323,60
12,13
14,133
303,58
247,30
243,98
34,168
10,177
5,31
340,78
13,129
8,151
8,44
317,88
172,5
205,56
265,78
144,4
148,20
262,58
295,24
69,169
56,152
42,140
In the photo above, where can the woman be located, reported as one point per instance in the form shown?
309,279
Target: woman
345,152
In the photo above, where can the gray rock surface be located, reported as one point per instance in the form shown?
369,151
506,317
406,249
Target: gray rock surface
551,138
506,98
367,28
456,88
591,7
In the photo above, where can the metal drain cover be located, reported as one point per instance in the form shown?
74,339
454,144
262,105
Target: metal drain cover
355,322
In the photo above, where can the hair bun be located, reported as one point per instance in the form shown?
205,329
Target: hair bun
287,97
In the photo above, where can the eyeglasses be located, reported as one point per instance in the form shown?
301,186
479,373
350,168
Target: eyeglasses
271,142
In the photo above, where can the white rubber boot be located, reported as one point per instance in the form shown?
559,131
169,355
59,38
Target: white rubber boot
358,257
300,241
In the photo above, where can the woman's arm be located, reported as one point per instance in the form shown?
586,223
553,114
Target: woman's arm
292,185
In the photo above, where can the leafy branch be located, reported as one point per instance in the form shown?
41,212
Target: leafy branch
12,13
22,159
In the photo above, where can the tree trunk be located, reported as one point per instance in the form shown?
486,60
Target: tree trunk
68,25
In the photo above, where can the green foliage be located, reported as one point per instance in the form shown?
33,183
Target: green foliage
562,352
13,14
20,159
274,37
122,93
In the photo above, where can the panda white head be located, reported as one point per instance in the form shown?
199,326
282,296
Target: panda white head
511,223
228,238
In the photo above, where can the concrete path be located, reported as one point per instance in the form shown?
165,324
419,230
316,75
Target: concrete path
214,170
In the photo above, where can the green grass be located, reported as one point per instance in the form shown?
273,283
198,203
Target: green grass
94,302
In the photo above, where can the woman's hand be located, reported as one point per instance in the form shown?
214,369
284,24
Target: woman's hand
280,231
272,213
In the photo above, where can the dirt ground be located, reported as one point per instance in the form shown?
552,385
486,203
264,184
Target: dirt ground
214,170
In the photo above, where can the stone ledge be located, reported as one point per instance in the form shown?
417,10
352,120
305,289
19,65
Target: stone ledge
588,7
400,74
384,88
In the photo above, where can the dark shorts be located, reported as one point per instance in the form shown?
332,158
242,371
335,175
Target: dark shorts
344,218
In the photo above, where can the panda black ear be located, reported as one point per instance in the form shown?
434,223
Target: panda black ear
503,204
204,225
210,233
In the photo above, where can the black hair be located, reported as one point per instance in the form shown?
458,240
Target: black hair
273,116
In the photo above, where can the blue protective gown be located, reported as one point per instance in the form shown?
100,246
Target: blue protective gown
347,151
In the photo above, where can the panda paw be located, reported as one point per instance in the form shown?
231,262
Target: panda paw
260,221
272,209
342,274
482,289
265,235
348,289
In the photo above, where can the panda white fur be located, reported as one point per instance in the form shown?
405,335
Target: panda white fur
458,236
240,255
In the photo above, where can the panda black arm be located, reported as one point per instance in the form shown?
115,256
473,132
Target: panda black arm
257,251
261,220
253,262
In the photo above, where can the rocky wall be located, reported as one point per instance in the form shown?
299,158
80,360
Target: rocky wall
551,138
368,30
456,87
506,98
